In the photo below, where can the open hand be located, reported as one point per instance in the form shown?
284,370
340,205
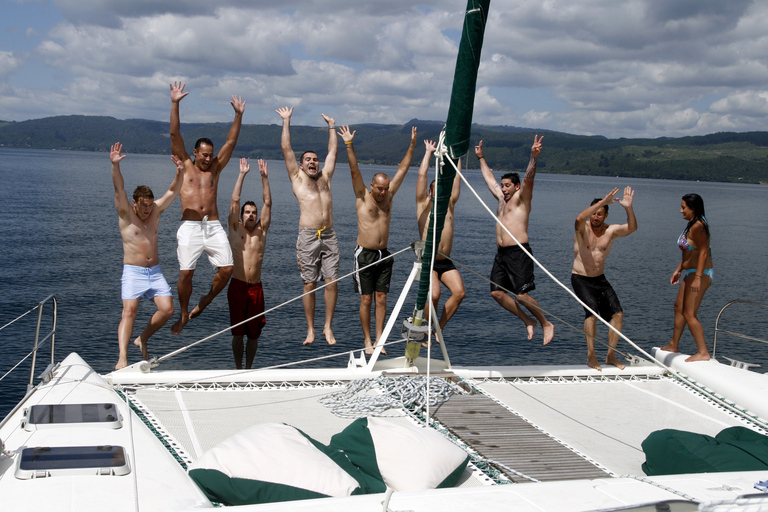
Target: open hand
114,154
177,92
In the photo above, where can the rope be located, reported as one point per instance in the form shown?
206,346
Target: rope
187,347
19,317
374,397
22,360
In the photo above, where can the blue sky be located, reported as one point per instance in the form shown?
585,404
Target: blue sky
638,68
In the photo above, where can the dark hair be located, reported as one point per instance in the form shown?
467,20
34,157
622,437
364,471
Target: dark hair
696,203
203,140
597,200
512,176
143,191
308,151
248,203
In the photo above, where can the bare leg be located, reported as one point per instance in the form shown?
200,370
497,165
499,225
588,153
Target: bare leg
679,321
451,279
237,350
125,329
617,321
331,296
156,321
381,315
184,288
250,351
533,306
220,280
309,312
365,320
590,329
690,309
510,305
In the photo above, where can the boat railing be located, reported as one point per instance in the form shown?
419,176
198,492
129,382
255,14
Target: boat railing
38,342
736,334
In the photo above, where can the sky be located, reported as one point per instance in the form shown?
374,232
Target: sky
629,68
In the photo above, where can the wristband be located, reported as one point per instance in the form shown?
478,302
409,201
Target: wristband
348,143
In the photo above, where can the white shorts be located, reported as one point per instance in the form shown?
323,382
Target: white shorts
147,282
196,236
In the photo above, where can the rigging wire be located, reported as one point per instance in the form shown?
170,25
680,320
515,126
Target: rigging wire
19,317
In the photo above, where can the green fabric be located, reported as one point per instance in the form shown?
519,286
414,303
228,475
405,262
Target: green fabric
219,487
452,479
670,452
356,444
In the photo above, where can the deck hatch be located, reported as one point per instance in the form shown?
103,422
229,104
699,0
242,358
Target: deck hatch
72,460
53,415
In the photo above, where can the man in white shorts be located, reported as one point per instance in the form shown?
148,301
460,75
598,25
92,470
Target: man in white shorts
142,276
200,229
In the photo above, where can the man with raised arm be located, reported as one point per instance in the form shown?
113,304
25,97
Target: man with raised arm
591,246
142,276
317,247
200,228
512,268
248,238
444,271
374,212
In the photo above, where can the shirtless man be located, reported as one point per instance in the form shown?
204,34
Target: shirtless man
374,211
248,238
142,276
512,268
444,270
317,247
591,246
200,228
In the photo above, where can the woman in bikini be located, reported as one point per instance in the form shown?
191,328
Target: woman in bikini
695,272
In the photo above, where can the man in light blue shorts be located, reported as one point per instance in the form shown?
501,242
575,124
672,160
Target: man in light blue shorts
142,276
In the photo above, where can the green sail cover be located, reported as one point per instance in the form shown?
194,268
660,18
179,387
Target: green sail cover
457,128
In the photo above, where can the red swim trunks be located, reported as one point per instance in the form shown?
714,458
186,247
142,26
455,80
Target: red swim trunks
245,301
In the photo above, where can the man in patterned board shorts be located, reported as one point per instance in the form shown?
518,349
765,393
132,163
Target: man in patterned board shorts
374,212
317,247
200,229
142,276
248,238
591,246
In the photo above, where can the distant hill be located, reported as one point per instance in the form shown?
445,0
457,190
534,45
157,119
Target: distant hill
726,156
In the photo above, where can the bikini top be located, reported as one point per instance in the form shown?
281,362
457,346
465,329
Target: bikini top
682,242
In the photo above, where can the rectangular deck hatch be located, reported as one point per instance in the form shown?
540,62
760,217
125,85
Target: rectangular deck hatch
47,461
47,416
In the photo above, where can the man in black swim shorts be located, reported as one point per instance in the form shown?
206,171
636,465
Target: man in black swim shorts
592,243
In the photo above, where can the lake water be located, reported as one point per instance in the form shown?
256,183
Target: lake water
59,235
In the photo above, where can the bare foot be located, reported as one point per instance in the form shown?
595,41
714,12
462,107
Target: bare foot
383,351
592,363
310,338
669,348
143,346
615,362
698,357
180,324
368,347
198,310
529,327
549,332
121,363
329,336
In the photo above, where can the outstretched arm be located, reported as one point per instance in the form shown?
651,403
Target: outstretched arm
333,147
121,201
488,176
177,143
285,142
173,190
234,206
631,225
225,153
526,187
421,182
357,179
583,217
405,164
456,190
266,210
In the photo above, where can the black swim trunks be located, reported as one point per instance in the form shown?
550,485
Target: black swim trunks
597,293
443,266
376,277
513,270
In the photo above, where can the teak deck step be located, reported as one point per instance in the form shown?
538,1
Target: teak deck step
500,435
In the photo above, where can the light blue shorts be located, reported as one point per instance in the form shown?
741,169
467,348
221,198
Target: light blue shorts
147,282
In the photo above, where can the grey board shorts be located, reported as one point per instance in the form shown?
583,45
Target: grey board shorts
317,250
